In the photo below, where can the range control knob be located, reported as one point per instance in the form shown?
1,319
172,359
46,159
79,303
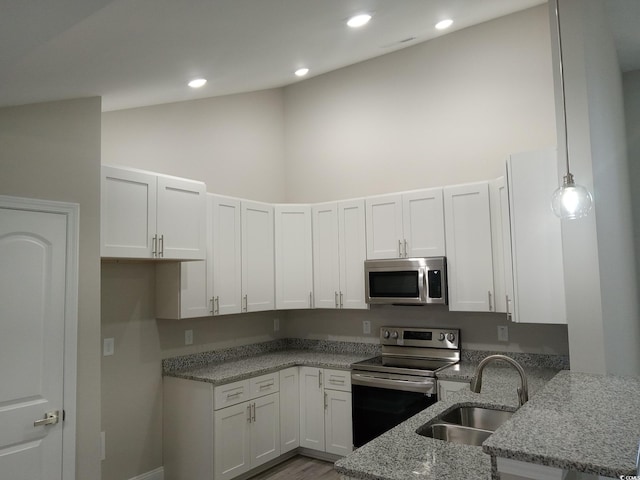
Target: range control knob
451,337
394,334
441,337
386,334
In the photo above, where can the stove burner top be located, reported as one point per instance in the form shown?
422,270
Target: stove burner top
424,367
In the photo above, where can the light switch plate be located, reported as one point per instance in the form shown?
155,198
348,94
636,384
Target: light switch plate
188,337
366,326
276,324
107,347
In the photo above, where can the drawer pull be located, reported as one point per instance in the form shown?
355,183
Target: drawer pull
337,381
266,385
233,395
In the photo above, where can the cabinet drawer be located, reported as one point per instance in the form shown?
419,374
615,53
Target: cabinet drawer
337,380
264,384
231,394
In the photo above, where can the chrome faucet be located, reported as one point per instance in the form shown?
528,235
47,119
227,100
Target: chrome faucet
523,390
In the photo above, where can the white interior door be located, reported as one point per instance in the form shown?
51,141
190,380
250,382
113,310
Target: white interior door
33,263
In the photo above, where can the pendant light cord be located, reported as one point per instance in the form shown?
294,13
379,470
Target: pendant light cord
562,91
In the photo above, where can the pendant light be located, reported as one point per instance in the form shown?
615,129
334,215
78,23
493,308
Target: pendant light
570,201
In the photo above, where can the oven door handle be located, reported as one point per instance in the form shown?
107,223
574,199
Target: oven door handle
426,386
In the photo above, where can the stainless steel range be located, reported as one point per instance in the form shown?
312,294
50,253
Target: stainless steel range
388,389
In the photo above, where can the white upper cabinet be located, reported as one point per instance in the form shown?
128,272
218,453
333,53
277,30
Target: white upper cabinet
144,215
468,243
257,256
536,242
294,258
339,251
407,225
501,244
423,223
225,255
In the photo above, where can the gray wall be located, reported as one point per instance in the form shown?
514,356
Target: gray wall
52,151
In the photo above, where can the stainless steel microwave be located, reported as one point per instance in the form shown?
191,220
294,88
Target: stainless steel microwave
406,281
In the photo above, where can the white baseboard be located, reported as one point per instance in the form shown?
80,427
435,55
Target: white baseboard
157,474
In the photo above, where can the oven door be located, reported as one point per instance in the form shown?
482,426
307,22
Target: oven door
382,401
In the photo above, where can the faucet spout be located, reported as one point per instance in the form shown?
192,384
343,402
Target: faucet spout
523,390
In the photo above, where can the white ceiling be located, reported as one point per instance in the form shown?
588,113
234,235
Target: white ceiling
143,52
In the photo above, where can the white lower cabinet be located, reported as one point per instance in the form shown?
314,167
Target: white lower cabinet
289,409
246,436
447,387
325,410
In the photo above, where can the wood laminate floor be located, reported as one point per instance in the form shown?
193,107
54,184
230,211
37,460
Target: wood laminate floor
300,468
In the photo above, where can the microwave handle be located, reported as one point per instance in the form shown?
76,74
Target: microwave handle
425,292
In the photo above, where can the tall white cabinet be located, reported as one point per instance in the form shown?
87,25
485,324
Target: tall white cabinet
293,257
257,256
146,215
536,277
339,251
405,225
469,249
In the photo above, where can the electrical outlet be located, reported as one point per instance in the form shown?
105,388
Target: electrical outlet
188,337
107,347
503,333
276,324
366,326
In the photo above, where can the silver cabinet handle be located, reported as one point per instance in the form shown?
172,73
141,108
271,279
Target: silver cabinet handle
248,413
154,246
217,305
233,395
340,299
246,303
400,248
405,248
161,245
50,418
310,299
335,294
213,310
508,312
265,385
490,302
253,406
319,378
326,401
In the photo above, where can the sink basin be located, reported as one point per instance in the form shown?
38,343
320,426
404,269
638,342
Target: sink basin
477,417
465,425
455,433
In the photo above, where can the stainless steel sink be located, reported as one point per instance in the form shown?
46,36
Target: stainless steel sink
455,433
465,425
477,417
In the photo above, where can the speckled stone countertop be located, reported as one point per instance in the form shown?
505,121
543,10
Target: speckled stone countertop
402,454
584,422
241,368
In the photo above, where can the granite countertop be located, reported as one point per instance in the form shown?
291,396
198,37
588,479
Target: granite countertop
583,422
240,368
402,454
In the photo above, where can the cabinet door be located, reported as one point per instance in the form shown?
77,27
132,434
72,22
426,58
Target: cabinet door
231,451
468,243
128,213
181,290
225,270
501,243
423,223
311,408
338,422
257,257
326,262
384,227
352,253
538,276
289,409
265,429
294,257
181,220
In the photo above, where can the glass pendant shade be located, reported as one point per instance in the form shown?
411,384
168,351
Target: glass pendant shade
571,201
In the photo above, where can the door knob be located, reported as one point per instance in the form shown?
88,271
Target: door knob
50,418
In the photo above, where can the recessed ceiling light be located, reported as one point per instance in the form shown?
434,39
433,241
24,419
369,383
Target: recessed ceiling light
443,24
301,72
359,20
197,82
